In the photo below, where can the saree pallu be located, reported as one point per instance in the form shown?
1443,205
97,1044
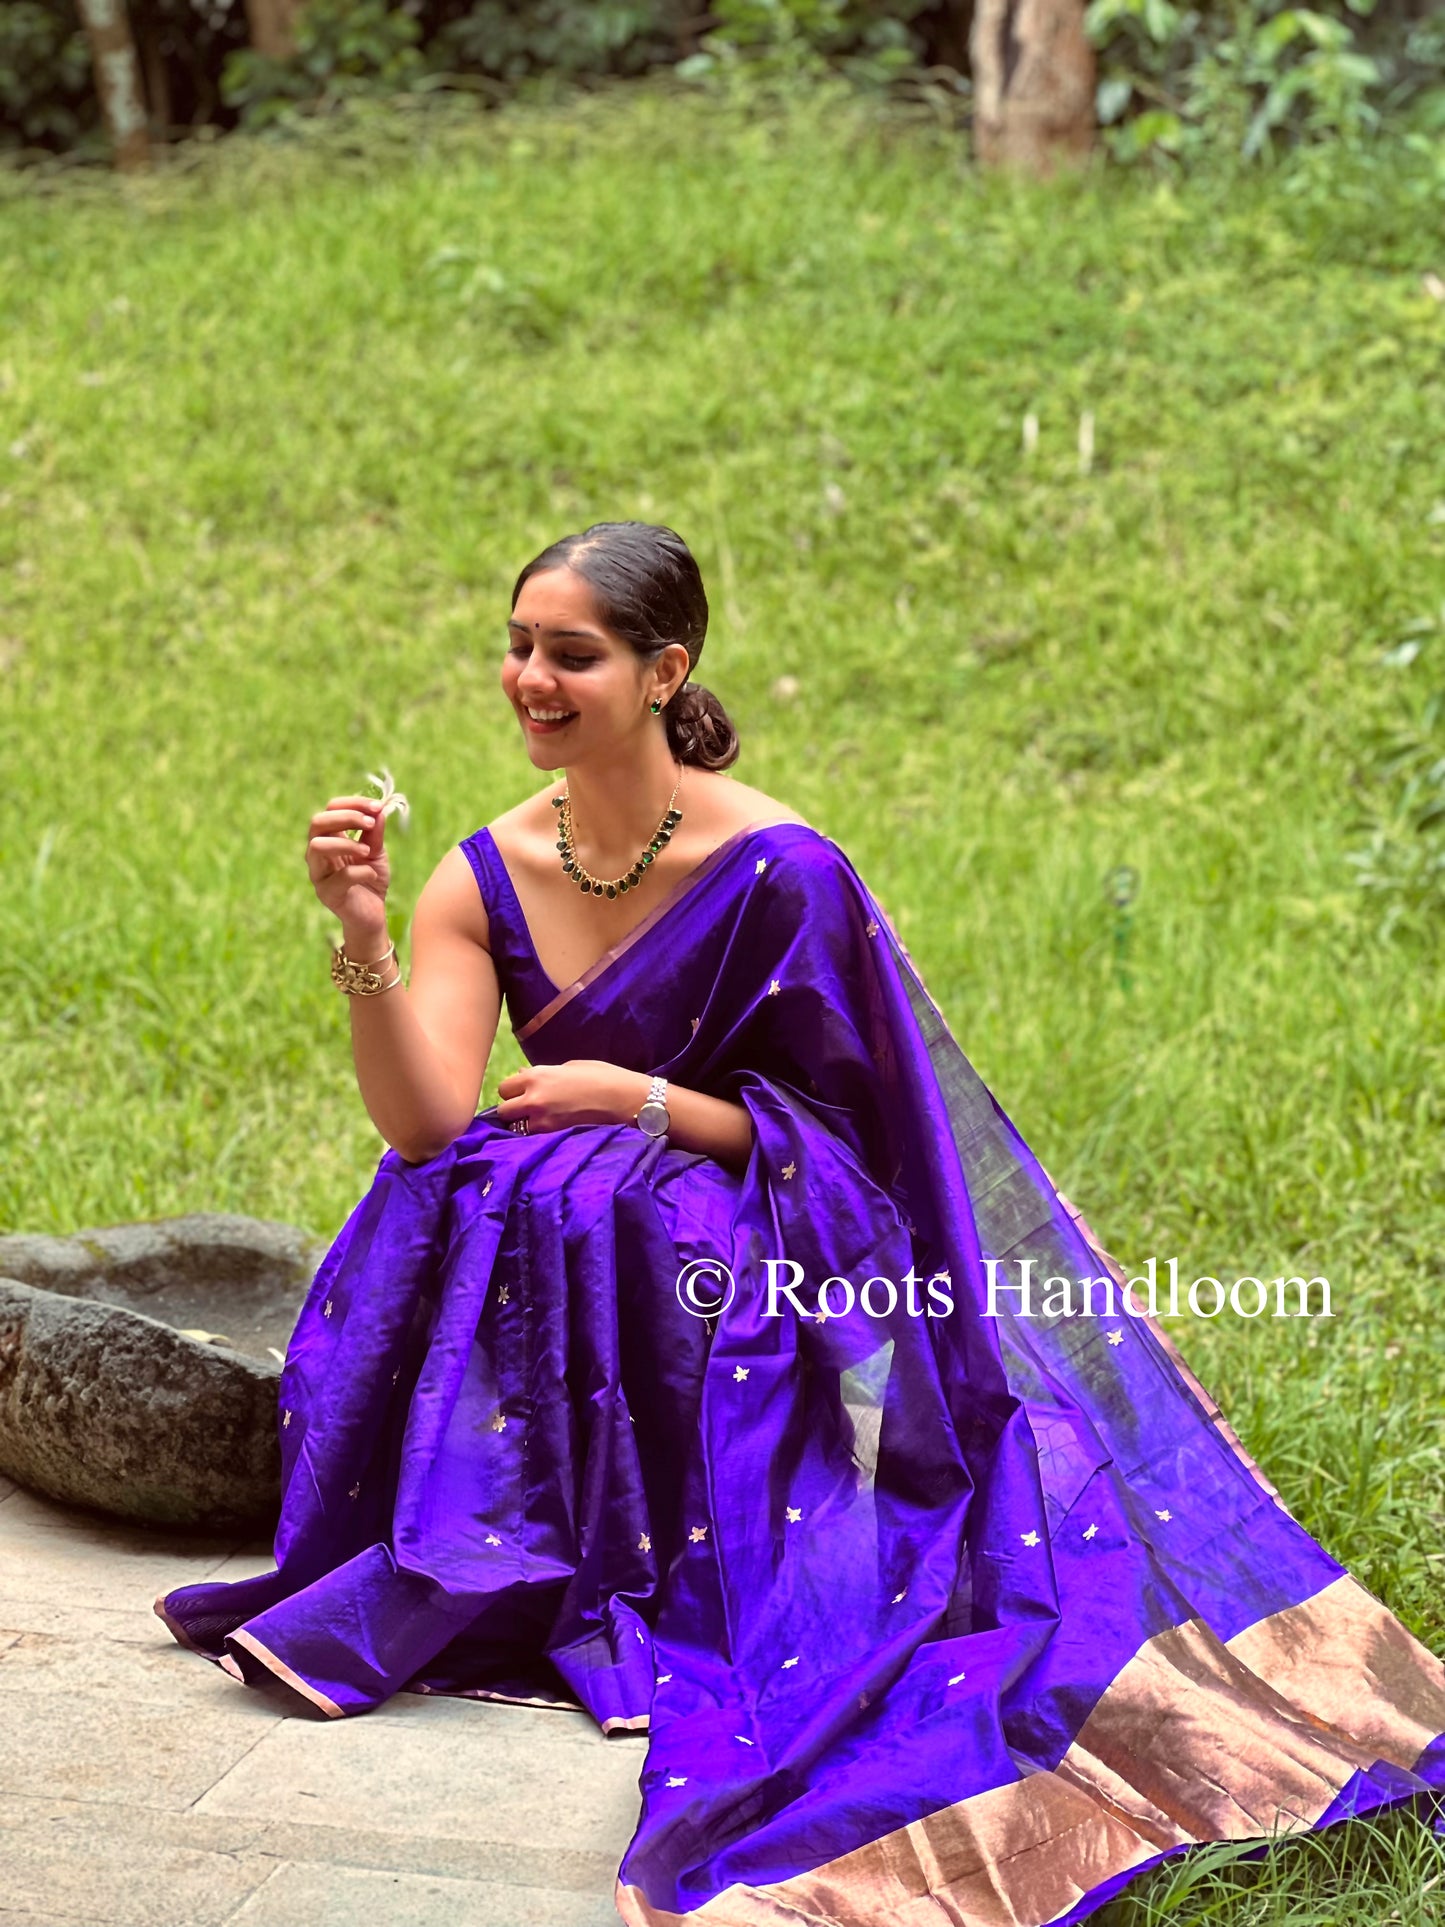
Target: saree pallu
933,1611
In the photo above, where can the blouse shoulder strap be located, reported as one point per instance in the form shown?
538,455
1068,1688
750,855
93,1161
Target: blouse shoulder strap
481,852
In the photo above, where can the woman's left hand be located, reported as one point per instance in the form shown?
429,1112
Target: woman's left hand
585,1091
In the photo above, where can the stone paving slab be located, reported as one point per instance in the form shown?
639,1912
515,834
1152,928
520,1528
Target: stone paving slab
84,1562
490,1863
346,1897
136,1670
98,1746
10,1918
140,1787
428,1767
115,1879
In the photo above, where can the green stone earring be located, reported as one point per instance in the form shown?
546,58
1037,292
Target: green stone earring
656,706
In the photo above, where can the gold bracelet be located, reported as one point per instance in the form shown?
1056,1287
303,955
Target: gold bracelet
361,979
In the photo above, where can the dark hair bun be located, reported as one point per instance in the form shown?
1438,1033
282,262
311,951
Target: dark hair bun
699,729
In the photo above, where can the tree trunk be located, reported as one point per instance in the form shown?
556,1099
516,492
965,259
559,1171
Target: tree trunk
1033,84
157,79
273,27
117,79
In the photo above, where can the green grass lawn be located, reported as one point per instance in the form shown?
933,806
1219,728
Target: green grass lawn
277,428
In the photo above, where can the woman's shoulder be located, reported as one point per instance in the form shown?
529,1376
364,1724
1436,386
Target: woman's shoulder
737,806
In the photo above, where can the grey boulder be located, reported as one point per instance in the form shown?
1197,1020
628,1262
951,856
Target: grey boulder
137,1366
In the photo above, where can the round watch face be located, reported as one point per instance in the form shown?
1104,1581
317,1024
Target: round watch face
653,1118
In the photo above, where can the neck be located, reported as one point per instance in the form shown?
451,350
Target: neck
617,802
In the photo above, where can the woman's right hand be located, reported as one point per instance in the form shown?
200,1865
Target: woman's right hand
351,876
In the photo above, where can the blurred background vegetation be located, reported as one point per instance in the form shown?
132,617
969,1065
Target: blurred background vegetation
1243,76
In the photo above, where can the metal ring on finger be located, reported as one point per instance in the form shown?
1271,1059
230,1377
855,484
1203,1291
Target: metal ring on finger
522,1125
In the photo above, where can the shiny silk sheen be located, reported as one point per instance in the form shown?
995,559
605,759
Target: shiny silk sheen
895,1575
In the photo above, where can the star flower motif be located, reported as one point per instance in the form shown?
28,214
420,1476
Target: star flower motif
1089,1531
486,1187
774,987
1166,1515
795,1515
1029,1538
326,1309
864,1700
396,1375
355,1492
958,1679
698,1534
504,1296
872,928
644,1544
663,1678
492,1539
791,1662
789,1169
740,1372
742,1739
677,1779
695,1022
899,1597
499,1421
760,866
285,1421
1116,1337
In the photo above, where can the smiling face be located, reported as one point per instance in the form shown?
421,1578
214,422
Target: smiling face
575,686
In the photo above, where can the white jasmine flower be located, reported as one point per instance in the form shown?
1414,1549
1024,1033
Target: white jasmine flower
390,796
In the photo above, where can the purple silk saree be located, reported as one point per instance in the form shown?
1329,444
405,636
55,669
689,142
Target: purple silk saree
931,1616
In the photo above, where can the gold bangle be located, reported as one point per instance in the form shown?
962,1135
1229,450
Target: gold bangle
361,979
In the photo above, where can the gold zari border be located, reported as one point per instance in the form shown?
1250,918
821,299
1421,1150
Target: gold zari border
1194,1740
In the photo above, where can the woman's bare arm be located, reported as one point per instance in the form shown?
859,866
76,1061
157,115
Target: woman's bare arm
589,1090
421,1051
697,1122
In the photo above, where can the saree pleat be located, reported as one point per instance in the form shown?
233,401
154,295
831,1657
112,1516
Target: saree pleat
936,1609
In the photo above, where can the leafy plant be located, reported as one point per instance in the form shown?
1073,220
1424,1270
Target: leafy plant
45,85
512,43
342,47
1249,76
868,40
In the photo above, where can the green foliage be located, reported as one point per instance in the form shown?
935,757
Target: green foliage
45,86
343,47
513,42
868,40
1249,77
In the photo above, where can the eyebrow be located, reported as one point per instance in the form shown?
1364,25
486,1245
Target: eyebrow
577,635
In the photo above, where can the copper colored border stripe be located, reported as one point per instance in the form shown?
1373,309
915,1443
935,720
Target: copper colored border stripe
1193,1741
282,1671
177,1631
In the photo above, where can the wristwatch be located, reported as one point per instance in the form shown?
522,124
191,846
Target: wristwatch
653,1119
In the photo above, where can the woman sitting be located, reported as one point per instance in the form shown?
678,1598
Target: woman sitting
694,1383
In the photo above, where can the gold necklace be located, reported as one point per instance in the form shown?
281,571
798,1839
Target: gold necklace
600,886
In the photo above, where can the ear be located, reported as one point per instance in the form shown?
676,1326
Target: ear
674,664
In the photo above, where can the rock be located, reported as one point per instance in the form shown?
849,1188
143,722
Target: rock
104,1402
242,1278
